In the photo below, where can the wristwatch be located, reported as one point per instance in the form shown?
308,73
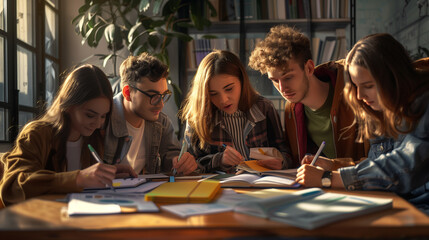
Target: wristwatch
326,179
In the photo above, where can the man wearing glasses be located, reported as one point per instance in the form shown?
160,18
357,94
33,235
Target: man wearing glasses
138,132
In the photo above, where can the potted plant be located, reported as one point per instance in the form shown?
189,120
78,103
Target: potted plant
141,26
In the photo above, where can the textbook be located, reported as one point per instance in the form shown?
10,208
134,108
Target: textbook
246,180
184,192
99,203
312,208
122,183
252,166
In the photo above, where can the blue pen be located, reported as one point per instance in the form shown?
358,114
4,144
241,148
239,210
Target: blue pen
98,159
182,151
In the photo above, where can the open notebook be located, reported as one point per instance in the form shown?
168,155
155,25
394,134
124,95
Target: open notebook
312,208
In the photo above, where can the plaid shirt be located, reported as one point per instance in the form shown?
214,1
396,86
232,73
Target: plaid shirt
262,129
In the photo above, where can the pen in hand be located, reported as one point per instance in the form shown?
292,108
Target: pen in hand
322,145
182,151
98,159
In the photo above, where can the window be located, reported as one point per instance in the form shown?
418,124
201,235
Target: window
29,61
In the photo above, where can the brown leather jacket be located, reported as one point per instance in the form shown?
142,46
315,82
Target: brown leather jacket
342,118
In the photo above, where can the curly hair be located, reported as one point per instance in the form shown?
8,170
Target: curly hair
281,44
136,67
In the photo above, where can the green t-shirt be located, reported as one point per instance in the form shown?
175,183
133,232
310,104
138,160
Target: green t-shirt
319,125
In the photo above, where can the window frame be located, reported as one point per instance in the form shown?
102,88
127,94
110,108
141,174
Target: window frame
11,103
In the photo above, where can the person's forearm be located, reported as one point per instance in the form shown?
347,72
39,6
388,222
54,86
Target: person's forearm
337,182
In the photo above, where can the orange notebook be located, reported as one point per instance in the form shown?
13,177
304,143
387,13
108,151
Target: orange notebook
184,192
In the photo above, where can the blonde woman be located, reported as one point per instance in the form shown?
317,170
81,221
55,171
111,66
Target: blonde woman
222,109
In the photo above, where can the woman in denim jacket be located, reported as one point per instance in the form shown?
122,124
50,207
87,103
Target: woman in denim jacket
222,109
389,97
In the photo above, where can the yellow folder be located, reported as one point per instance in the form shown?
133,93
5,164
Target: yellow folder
184,192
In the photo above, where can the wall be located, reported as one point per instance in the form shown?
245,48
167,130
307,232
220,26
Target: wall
404,21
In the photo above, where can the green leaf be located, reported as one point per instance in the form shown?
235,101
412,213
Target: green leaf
134,40
171,7
156,6
144,5
75,20
107,59
87,36
81,24
181,36
153,41
84,8
132,30
99,33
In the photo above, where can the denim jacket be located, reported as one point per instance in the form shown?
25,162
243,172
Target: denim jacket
262,129
161,144
398,165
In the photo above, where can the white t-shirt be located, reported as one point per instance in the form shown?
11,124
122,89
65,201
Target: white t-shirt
73,151
136,153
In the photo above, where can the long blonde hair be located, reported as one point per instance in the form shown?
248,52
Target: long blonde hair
398,85
197,108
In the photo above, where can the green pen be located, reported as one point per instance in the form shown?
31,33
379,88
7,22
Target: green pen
98,159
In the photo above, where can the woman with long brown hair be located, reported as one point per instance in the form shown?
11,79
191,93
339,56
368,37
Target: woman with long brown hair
50,152
389,96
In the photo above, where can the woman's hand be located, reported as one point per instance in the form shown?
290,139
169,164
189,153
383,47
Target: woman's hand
309,176
322,162
124,171
231,157
186,165
97,175
274,163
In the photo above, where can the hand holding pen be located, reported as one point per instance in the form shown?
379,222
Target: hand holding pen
185,163
100,174
231,157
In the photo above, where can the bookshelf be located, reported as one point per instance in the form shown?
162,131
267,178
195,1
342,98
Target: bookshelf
240,32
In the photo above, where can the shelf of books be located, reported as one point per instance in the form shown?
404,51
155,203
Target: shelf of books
323,21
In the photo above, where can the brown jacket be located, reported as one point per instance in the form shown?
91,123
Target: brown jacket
29,169
342,118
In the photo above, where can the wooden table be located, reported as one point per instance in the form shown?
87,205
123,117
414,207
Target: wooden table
41,218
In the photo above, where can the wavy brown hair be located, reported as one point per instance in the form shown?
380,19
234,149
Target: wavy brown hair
81,85
398,85
197,109
281,44
134,68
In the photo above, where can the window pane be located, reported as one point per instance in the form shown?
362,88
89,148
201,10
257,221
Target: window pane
24,15
51,75
4,124
3,86
24,117
54,3
51,32
25,67
2,16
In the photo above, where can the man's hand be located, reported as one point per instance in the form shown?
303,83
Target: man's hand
186,165
309,176
322,162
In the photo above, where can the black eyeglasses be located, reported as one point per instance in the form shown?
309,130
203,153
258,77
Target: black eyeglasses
156,98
